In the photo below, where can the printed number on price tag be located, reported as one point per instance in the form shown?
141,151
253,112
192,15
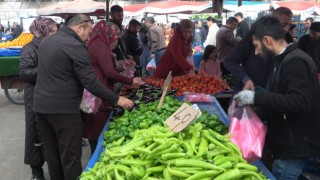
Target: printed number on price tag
181,118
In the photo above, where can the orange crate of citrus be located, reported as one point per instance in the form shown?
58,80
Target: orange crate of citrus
22,40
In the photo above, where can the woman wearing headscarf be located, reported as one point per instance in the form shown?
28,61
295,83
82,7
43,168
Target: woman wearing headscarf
103,39
179,48
40,28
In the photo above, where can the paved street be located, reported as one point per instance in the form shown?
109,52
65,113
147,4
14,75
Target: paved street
12,132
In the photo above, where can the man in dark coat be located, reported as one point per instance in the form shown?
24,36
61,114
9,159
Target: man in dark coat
64,70
132,42
16,30
310,43
249,69
291,102
226,41
199,33
121,50
243,27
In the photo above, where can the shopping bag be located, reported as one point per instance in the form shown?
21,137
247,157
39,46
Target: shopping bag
247,131
128,71
151,66
89,102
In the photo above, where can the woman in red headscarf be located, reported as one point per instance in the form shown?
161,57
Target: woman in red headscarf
40,28
179,48
103,39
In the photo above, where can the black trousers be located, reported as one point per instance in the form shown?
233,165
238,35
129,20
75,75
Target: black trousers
62,136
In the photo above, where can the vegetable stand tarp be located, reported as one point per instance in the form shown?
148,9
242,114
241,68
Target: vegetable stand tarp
9,66
212,108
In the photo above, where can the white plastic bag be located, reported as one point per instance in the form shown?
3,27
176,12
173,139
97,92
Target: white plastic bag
151,66
190,60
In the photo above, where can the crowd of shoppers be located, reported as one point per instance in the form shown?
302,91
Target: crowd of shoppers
58,66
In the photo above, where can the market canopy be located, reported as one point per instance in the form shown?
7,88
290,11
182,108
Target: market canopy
296,7
88,7
167,7
247,6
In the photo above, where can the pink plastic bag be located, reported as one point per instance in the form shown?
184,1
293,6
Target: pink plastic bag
89,102
247,131
128,71
198,97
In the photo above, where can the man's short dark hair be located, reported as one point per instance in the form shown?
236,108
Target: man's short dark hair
239,14
232,20
134,23
210,18
282,11
310,19
116,8
77,19
268,26
150,20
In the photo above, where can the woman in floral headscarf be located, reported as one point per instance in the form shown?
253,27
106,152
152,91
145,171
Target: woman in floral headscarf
179,48
40,28
103,39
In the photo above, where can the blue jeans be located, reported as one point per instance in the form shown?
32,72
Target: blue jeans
158,55
287,169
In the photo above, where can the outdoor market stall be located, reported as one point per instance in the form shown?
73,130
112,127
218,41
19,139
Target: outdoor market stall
214,109
9,68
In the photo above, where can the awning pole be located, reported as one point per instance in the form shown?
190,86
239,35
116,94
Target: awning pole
107,10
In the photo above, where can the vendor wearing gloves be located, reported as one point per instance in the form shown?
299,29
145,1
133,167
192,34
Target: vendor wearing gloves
175,57
291,104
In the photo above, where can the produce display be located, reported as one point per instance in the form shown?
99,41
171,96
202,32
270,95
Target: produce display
20,41
201,83
158,153
140,95
147,115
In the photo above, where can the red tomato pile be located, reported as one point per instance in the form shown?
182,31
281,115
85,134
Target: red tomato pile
201,83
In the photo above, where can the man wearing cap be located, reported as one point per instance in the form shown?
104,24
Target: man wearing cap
310,43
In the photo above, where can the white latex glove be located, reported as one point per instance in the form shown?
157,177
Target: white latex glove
245,97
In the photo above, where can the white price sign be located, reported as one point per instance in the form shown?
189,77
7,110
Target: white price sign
182,118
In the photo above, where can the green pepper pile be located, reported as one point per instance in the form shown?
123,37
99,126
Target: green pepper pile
157,153
148,114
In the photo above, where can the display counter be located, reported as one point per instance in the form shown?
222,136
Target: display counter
212,108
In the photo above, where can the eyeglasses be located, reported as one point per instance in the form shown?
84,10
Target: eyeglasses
88,20
70,17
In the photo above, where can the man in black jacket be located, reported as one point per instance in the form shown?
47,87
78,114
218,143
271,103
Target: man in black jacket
132,42
16,30
310,43
292,101
121,50
249,69
243,27
64,69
